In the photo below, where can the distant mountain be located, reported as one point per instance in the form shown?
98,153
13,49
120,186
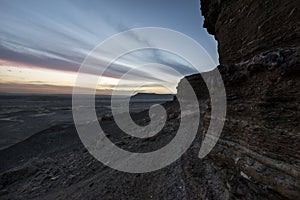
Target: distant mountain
152,97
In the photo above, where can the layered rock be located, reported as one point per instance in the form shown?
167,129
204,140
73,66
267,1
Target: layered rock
244,28
260,66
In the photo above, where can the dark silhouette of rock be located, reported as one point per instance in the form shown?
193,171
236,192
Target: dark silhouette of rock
246,28
152,97
260,66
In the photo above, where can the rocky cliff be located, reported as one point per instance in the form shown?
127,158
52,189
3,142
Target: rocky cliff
244,28
258,154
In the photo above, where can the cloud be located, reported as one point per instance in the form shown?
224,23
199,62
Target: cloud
39,88
30,37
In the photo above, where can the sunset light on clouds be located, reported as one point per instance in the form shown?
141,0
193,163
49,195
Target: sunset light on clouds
42,45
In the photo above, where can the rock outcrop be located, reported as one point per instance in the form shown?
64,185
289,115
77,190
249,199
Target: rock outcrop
258,44
244,28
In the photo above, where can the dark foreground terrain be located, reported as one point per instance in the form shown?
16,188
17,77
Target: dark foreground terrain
53,164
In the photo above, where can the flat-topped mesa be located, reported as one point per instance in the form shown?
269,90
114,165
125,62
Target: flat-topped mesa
258,44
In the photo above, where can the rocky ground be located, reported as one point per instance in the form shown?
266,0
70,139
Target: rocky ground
53,164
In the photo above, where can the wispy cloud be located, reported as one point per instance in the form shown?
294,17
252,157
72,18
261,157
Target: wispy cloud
58,36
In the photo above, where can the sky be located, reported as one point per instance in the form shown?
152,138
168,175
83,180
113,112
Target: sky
43,43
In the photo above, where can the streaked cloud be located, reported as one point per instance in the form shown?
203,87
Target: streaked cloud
57,36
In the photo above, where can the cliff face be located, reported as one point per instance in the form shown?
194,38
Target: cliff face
244,28
258,153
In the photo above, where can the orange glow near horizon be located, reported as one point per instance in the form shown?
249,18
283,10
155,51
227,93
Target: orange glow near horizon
21,78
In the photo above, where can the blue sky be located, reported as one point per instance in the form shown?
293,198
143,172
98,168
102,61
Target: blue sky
59,34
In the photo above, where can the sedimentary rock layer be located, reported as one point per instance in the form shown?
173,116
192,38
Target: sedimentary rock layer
260,66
